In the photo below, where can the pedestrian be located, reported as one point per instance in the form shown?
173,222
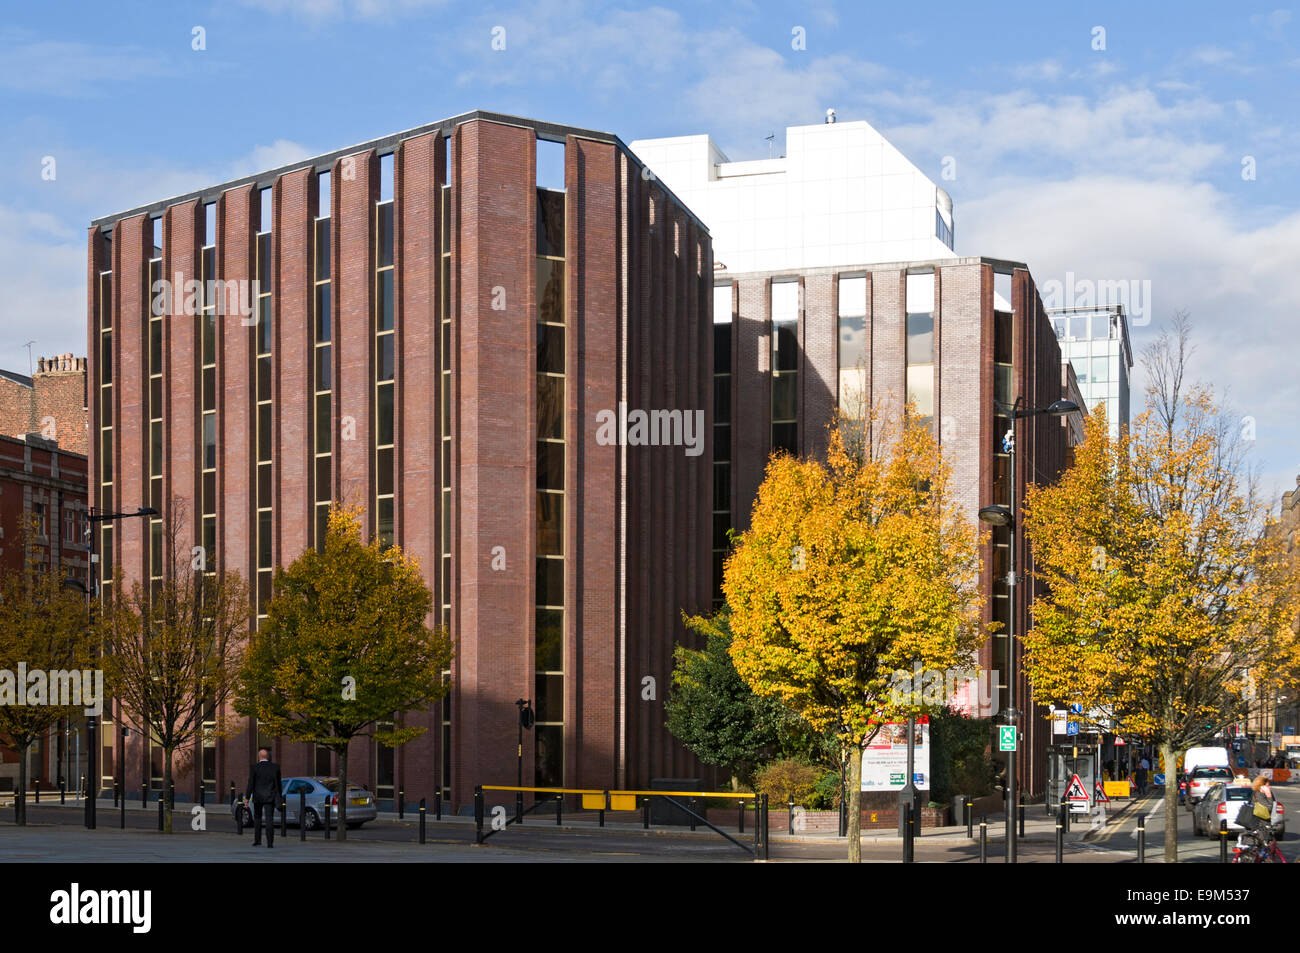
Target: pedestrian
1143,769
264,790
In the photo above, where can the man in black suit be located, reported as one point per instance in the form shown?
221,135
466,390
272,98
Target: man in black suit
264,791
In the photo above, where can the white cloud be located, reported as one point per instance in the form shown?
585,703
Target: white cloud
1235,280
61,68
321,11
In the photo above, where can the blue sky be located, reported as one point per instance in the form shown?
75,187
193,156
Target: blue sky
1117,163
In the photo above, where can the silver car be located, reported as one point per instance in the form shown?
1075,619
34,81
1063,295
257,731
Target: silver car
1223,801
361,803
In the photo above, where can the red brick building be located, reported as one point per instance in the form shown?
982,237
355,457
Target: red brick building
52,402
41,481
956,335
414,326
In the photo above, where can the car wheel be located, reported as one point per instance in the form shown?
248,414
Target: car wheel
309,820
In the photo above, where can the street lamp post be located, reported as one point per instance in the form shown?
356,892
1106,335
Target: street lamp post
1008,516
92,723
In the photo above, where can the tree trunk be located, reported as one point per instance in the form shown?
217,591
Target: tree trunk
20,796
854,755
343,793
1169,761
167,791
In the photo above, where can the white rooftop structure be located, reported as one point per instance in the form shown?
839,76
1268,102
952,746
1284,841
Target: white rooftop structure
840,195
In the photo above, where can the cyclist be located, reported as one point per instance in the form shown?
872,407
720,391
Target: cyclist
1256,815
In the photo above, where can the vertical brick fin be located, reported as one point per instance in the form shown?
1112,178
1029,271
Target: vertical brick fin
416,188
357,183
591,473
497,381
130,385
182,373
958,364
236,432
752,372
889,337
291,365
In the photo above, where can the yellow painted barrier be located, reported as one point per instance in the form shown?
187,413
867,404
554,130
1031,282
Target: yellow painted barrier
613,794
1117,789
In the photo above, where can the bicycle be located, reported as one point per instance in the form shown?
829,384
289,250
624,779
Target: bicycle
1258,846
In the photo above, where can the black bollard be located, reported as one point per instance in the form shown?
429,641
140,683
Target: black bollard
767,843
437,806
171,795
693,813
302,815
970,817
1223,842
232,792
984,838
327,820
63,792
789,816
401,804
239,819
203,795
115,792
645,813
161,807
1065,807
1142,839
37,783
144,796
740,822
422,800
284,816
909,832
559,804
478,814
1060,831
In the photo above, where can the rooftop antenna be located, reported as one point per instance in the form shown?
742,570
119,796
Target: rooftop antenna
771,140
830,116
30,368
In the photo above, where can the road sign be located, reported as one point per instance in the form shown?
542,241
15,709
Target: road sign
1077,708
1075,791
1071,727
1099,792
1120,741
1006,737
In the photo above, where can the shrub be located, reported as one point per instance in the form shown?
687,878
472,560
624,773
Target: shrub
785,778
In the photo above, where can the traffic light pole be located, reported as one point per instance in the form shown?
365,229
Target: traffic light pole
1011,715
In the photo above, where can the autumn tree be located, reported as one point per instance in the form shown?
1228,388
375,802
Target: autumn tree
1165,597
173,646
44,628
852,571
345,648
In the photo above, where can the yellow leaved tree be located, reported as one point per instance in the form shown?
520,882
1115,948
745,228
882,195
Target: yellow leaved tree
851,572
1167,603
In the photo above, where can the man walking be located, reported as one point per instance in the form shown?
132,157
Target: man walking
264,791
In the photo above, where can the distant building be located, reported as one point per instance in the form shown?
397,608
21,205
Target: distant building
1096,343
51,403
840,196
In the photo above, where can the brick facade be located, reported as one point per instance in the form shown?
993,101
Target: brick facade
638,273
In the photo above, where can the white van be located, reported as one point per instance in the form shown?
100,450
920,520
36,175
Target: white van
1204,767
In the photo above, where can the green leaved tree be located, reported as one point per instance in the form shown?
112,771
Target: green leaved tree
345,648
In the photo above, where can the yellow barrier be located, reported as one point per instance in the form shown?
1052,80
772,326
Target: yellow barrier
1116,789
613,793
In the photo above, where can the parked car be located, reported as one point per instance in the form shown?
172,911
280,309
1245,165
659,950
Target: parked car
361,803
1202,779
1222,802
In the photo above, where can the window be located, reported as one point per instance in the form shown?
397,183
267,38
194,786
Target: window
264,443
322,362
385,387
722,338
548,642
785,366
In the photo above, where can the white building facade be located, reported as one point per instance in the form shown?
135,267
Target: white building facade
841,195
